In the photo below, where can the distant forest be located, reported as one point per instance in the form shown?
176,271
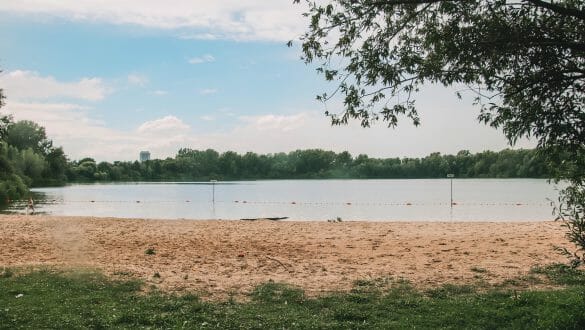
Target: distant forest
195,165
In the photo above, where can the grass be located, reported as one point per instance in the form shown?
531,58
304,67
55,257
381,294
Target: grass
87,300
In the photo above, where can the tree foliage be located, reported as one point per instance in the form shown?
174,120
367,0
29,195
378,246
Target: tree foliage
524,61
4,119
11,185
571,210
203,165
26,134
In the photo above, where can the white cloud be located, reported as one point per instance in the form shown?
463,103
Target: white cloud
168,123
202,59
274,20
75,127
448,126
160,92
44,107
137,79
200,36
208,91
29,85
71,126
276,122
207,118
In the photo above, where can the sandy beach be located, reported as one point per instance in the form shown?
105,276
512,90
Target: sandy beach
220,258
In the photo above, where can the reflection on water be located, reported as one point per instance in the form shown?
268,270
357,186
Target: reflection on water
396,200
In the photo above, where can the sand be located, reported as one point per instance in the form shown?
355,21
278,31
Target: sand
222,258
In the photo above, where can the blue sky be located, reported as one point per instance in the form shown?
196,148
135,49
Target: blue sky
108,80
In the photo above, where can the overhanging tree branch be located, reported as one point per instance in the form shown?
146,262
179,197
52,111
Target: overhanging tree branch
562,10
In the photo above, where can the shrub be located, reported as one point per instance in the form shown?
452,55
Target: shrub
571,211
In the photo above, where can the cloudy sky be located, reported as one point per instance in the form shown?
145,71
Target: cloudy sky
110,78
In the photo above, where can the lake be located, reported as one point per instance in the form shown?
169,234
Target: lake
372,200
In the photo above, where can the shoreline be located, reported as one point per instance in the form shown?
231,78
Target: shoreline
219,258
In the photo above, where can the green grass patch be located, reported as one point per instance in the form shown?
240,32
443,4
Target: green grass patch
562,274
6,273
45,299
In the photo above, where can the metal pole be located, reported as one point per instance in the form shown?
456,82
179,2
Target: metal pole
451,176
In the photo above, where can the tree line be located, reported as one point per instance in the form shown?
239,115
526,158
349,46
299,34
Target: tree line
203,165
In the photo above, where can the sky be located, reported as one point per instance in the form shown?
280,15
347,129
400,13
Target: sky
108,79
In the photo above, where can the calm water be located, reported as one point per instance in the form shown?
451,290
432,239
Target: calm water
397,200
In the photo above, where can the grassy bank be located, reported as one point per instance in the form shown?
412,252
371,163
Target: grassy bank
44,299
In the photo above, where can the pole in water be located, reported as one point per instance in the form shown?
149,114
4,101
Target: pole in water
213,191
451,176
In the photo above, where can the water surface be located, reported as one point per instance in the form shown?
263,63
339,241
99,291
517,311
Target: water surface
380,200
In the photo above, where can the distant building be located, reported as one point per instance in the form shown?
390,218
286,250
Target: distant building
144,156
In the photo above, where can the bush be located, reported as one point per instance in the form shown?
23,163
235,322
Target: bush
12,187
571,211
